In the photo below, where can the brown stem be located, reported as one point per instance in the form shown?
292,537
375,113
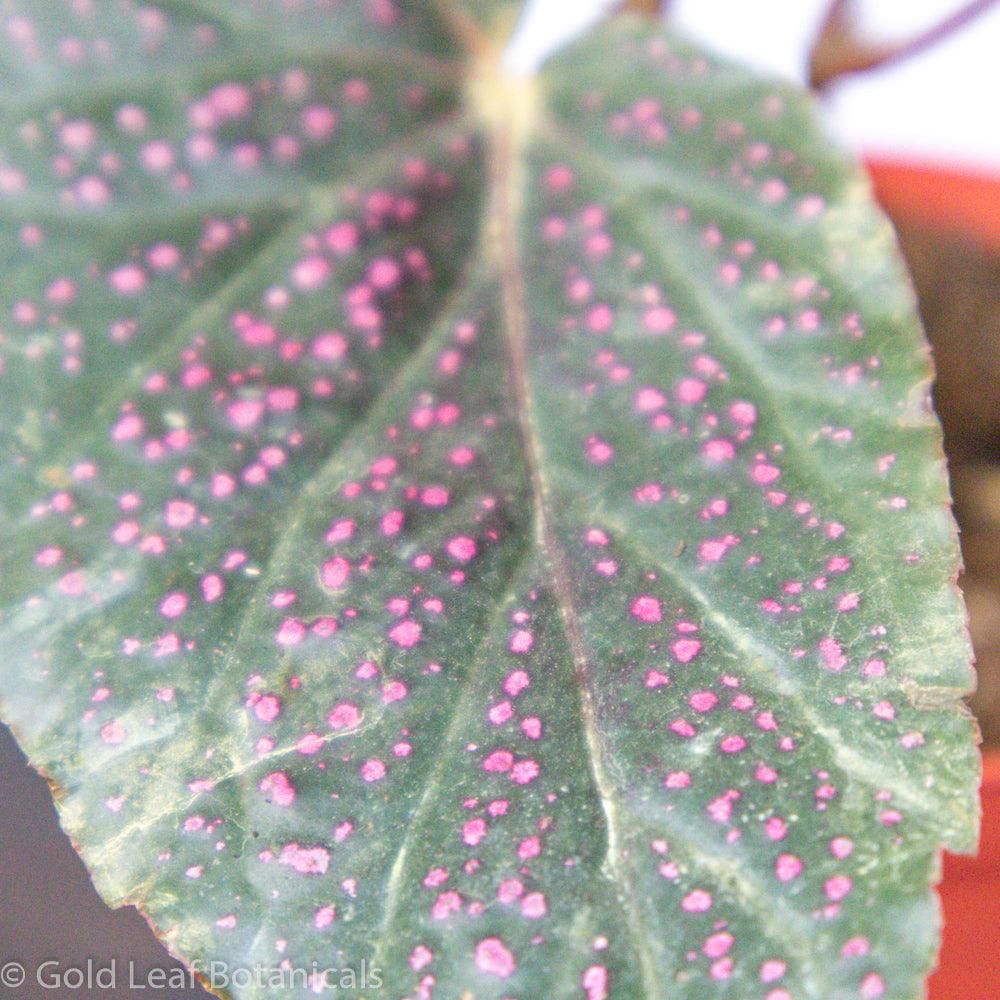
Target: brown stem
941,31
651,8
841,51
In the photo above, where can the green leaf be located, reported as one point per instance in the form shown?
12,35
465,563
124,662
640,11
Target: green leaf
492,529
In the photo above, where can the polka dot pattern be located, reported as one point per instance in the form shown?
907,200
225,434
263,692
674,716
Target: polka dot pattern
513,556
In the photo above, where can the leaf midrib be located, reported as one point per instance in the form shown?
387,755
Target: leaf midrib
504,213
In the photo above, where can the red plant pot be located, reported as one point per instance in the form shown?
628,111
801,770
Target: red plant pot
955,200
969,965
963,202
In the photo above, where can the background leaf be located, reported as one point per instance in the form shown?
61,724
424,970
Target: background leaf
493,529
